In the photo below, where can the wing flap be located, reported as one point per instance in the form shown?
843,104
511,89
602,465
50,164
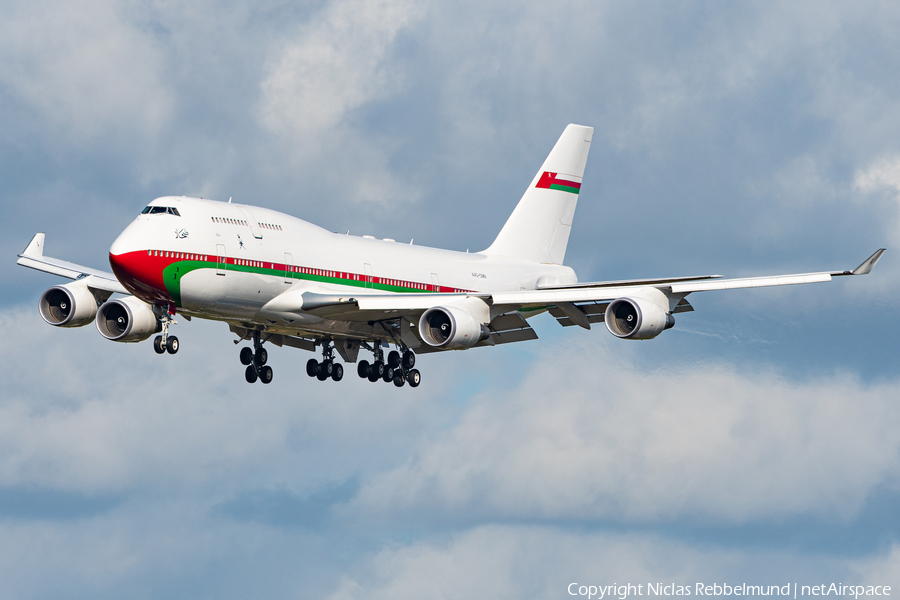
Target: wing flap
507,329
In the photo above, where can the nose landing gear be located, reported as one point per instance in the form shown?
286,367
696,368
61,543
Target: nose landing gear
165,342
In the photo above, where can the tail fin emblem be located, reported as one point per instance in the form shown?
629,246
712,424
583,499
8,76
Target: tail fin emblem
550,181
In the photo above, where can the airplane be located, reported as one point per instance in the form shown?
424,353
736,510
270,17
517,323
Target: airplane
275,279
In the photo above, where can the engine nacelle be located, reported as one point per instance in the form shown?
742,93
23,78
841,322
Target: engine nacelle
69,305
639,317
452,328
127,320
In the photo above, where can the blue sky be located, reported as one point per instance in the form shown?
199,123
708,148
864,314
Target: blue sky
756,441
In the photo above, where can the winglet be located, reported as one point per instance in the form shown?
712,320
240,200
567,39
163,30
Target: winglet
869,263
35,247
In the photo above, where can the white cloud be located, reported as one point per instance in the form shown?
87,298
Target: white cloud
337,64
882,174
588,435
84,70
519,562
85,415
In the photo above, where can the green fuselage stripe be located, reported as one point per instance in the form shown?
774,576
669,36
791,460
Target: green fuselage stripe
173,273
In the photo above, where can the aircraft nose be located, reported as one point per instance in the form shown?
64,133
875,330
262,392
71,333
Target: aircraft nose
138,268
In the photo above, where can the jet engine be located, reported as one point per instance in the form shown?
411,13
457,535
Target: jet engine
69,305
452,328
639,317
127,320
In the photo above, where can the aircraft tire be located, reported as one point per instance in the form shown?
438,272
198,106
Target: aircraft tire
414,378
388,374
172,345
246,356
362,369
338,372
409,359
261,356
250,374
312,367
265,374
373,373
393,359
399,380
328,367
157,345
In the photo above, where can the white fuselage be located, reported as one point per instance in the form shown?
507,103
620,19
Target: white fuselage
227,261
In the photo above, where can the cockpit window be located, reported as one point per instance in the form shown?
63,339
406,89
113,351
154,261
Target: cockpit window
160,210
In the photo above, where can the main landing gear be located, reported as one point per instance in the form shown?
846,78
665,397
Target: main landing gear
327,369
165,342
255,360
398,368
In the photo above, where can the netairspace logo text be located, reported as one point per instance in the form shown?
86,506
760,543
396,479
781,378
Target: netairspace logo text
791,590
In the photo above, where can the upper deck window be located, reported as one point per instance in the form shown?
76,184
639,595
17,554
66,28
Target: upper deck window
160,210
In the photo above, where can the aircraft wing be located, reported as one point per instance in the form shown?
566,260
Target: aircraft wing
33,258
579,304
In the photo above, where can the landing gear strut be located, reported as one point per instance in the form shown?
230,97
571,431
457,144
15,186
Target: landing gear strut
398,368
327,368
165,342
255,360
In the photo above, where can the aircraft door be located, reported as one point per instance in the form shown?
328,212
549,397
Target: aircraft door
368,269
220,259
288,268
436,282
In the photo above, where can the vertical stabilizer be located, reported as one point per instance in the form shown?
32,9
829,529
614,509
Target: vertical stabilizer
538,229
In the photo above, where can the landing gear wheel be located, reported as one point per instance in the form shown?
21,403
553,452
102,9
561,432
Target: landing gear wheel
265,374
158,345
388,374
399,380
414,378
321,375
376,370
393,359
409,360
338,372
261,356
362,369
246,356
250,374
312,367
327,367
172,345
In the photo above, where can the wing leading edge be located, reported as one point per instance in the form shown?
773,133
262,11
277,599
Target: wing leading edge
579,304
33,258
